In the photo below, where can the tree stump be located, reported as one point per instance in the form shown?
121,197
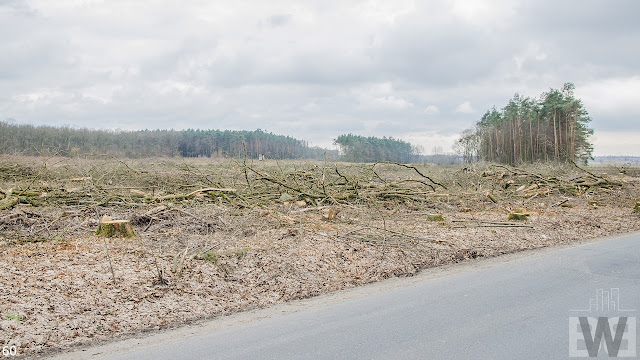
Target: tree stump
520,216
435,217
111,228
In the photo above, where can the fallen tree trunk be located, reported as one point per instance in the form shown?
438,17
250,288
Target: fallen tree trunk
194,193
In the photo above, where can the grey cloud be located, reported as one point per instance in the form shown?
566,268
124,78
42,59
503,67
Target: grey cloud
594,38
602,121
17,7
279,20
29,50
307,67
614,18
438,57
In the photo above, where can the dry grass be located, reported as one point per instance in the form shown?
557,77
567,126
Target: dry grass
215,252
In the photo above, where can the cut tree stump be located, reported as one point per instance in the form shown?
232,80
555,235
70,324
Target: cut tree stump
435,217
111,228
522,216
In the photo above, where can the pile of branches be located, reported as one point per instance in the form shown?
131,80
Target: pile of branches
531,184
70,196
116,183
354,184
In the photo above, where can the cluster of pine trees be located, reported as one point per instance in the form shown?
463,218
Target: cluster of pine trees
551,128
357,148
67,141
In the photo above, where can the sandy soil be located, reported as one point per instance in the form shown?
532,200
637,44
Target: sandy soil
65,295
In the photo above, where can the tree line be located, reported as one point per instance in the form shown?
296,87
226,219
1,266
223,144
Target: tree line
550,128
358,148
66,141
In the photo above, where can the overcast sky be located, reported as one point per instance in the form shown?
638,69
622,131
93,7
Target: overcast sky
422,71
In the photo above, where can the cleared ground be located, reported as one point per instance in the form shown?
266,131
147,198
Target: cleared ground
225,236
506,307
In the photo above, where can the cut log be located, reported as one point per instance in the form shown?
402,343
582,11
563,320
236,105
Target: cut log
136,192
194,193
332,214
111,228
9,202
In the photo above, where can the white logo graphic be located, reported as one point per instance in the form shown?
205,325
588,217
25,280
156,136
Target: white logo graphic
587,333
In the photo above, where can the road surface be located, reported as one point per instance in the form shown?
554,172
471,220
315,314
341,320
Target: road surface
514,307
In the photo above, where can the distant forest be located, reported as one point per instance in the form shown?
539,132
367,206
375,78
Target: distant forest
67,141
371,149
617,160
551,128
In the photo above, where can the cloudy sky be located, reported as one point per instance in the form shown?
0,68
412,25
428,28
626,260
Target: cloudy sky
421,71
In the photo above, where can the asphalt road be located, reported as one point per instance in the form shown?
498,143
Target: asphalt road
514,309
